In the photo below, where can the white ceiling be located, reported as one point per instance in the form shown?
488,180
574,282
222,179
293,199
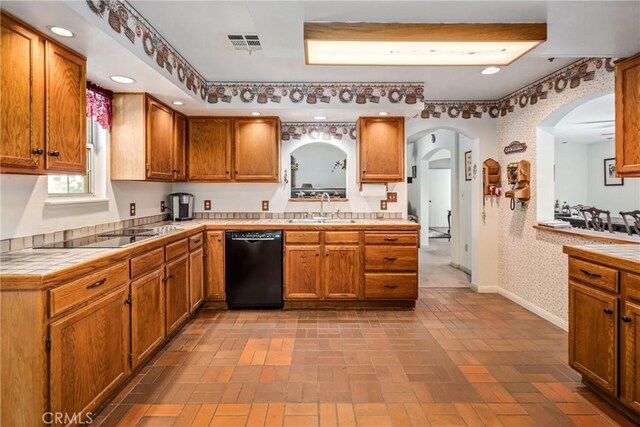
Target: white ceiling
593,121
198,30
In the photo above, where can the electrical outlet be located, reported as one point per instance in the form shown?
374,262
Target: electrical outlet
383,205
207,205
132,209
265,205
162,206
392,197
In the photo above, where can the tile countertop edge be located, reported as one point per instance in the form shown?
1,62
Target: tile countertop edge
10,281
599,236
625,257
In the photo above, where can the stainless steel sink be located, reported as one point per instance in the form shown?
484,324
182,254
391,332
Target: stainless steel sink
322,221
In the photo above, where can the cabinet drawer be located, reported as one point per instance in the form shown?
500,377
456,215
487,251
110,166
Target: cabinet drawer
392,258
195,241
85,288
337,237
632,285
176,249
593,274
148,262
302,237
391,239
390,286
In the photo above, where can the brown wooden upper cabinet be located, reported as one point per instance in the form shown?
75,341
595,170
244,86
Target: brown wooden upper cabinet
147,139
43,103
238,149
628,117
380,149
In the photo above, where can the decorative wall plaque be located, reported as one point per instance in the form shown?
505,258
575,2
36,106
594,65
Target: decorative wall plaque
515,147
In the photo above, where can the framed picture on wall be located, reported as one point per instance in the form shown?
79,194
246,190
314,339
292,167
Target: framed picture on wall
610,177
468,167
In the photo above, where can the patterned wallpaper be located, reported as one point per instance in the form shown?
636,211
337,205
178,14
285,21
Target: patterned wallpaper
531,263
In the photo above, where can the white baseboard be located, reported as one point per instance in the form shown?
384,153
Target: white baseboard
560,323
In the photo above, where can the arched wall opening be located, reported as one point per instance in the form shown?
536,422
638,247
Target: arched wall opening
573,144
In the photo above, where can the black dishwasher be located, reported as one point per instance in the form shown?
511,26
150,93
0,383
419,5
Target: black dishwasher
253,268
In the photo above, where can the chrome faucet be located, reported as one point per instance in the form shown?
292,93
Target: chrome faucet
322,196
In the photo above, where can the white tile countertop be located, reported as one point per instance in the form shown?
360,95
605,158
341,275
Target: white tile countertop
41,262
623,256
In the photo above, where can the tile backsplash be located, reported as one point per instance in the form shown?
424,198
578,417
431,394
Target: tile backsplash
27,242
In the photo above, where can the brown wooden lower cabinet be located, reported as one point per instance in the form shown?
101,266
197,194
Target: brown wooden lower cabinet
604,328
341,272
89,351
214,255
631,361
177,293
593,346
147,315
196,279
334,265
302,272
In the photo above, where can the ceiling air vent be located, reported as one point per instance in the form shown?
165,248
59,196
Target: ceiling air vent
247,42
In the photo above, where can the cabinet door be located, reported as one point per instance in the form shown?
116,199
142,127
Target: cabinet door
179,147
381,149
593,335
341,272
177,293
66,100
209,153
302,272
631,356
147,315
22,100
257,149
196,279
89,351
159,141
215,266
628,117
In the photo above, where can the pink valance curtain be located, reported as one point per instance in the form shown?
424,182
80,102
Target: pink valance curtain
99,104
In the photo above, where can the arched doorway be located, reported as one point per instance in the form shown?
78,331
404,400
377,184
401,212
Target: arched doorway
440,199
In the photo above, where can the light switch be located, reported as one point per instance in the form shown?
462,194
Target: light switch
392,197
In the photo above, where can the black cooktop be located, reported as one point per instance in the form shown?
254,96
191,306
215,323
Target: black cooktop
96,242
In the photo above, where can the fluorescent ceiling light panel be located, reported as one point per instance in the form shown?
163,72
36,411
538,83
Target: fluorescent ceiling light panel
419,44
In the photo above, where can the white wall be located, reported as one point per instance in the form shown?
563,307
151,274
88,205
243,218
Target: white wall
571,173
465,189
24,211
612,198
238,197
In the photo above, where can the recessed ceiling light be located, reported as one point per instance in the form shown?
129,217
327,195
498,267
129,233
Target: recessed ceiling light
62,32
383,113
255,113
178,103
319,117
490,70
342,43
123,79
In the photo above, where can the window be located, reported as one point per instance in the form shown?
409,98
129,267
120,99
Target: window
63,185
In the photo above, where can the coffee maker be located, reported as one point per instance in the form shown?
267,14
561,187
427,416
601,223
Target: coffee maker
181,205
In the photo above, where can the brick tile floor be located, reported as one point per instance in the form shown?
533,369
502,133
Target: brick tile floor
459,359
